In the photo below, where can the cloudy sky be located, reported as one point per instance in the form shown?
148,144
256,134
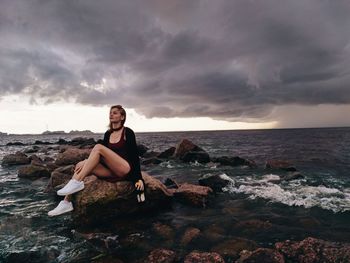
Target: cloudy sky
174,65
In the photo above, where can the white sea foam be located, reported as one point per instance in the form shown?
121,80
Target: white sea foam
293,194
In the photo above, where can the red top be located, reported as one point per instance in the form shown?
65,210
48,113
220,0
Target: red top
119,147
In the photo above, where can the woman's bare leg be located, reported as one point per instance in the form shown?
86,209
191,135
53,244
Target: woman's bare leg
100,171
115,163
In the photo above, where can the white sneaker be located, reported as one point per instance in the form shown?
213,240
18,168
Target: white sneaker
63,207
72,187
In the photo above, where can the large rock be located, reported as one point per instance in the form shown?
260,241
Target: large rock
231,248
60,176
185,146
191,194
234,161
167,153
216,182
161,255
33,171
101,200
190,234
313,250
192,156
261,255
82,141
72,156
15,159
203,257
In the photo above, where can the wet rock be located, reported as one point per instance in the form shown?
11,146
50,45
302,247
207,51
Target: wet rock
234,161
161,255
280,164
33,171
312,250
103,242
35,160
292,176
201,157
150,154
216,182
72,156
203,257
62,141
189,235
102,200
153,160
231,248
15,143
170,183
33,149
167,153
41,142
142,149
60,176
191,194
185,146
15,159
164,231
261,255
82,141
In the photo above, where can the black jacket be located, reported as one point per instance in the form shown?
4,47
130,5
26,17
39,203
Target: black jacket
132,153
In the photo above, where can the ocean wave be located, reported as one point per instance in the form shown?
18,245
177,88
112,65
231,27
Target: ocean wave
292,194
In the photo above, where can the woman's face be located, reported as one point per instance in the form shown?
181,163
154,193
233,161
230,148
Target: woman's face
115,116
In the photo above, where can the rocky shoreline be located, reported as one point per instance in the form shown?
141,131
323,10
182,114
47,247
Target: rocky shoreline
101,199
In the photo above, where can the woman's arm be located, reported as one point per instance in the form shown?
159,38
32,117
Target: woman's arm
133,152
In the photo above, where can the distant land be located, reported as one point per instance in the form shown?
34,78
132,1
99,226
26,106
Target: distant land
85,132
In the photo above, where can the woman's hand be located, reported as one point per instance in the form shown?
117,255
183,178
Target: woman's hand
139,185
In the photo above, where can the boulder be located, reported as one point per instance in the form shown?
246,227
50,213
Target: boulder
190,234
15,159
41,142
203,257
142,149
33,171
231,248
102,200
60,176
216,182
192,156
152,160
191,194
82,141
150,154
261,255
312,250
72,156
167,153
164,231
161,255
15,143
234,161
33,149
185,146
280,164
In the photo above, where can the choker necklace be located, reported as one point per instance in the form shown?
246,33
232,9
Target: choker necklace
117,129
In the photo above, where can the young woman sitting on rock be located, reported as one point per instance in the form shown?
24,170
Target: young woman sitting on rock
115,159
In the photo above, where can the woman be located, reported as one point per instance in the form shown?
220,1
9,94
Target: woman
115,159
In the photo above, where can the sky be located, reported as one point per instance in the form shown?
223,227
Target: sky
174,65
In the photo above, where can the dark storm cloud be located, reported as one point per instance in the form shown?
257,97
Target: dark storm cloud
232,60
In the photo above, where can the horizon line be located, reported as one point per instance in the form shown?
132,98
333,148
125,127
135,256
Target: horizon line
282,128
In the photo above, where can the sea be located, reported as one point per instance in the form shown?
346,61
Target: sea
252,207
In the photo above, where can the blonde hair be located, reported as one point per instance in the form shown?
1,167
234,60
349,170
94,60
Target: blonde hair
122,112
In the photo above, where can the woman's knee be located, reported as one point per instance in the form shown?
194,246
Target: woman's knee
97,148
